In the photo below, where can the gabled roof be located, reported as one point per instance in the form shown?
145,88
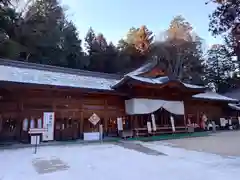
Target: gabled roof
213,96
143,69
136,75
154,81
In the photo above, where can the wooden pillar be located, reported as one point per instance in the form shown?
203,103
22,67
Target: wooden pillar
135,119
23,134
81,123
132,122
185,113
81,120
54,109
19,118
106,117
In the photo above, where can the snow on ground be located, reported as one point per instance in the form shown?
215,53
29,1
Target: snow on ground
108,162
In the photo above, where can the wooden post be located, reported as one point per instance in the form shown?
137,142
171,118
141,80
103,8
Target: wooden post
81,123
20,119
134,121
106,117
184,115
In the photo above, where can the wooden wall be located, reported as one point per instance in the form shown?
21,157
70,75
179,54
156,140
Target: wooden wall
72,107
170,92
212,109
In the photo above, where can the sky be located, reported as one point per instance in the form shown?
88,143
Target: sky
114,18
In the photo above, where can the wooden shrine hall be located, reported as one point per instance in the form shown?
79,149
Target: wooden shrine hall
72,104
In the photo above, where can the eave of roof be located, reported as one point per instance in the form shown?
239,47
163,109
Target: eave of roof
213,96
29,65
234,106
154,81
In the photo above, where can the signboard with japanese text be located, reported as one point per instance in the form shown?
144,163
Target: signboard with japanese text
48,123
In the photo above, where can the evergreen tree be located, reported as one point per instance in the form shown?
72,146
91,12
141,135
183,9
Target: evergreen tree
224,20
219,68
102,56
9,44
49,37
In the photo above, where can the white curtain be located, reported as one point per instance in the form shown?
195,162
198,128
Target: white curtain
174,107
147,106
142,106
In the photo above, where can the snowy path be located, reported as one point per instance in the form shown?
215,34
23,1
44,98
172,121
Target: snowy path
107,162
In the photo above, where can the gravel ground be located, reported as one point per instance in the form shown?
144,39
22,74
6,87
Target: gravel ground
222,143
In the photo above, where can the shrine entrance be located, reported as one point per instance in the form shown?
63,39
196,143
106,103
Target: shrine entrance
67,129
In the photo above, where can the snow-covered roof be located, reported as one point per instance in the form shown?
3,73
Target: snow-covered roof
22,72
193,86
234,106
159,80
45,77
233,94
143,69
214,96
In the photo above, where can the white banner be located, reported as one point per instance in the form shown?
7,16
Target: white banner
48,123
230,122
222,122
153,122
149,127
172,123
101,131
119,124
